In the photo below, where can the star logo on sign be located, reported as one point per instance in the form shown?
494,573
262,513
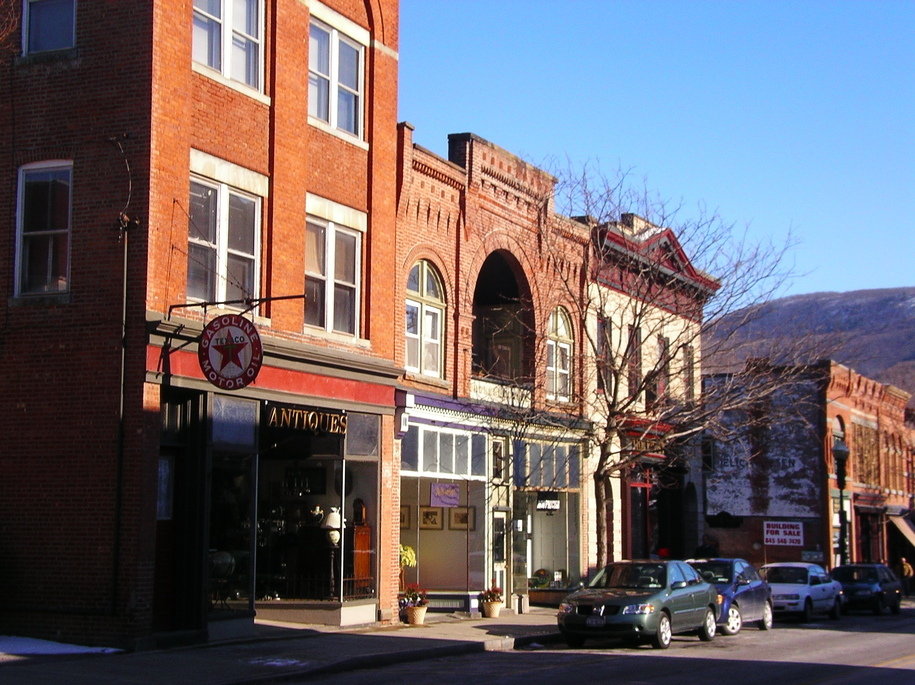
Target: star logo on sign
229,352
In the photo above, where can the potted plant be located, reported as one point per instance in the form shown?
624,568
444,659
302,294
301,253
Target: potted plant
491,602
413,604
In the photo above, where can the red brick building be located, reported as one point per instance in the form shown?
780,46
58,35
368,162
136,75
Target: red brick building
213,161
780,469
492,450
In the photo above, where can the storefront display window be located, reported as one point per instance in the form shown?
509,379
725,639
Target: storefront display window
317,505
234,432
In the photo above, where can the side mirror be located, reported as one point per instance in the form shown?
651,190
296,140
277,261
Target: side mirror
678,584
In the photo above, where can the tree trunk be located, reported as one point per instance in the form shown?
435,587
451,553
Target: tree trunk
600,506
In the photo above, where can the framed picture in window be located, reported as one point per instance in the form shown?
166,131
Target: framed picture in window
462,518
404,516
430,518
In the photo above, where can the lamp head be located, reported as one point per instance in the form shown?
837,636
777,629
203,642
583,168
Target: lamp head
840,453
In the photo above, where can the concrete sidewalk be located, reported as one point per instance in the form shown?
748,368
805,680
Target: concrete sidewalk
281,652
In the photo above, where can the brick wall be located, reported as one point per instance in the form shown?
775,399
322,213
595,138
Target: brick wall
76,563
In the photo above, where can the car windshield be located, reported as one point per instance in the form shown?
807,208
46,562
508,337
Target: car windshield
713,571
852,574
786,574
640,576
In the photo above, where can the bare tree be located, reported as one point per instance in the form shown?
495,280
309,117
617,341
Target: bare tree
9,22
656,281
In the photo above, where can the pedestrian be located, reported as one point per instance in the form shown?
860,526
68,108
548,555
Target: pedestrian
708,548
905,575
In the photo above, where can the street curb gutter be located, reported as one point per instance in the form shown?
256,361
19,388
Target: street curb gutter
505,644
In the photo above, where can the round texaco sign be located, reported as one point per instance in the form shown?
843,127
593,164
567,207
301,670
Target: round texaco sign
230,352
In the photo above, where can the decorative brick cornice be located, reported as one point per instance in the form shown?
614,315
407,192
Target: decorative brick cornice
437,174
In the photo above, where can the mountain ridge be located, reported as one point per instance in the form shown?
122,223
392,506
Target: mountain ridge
871,331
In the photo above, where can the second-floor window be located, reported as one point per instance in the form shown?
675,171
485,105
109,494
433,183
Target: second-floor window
333,265
634,362
657,390
689,373
43,222
559,356
228,37
604,350
48,25
223,243
335,79
425,320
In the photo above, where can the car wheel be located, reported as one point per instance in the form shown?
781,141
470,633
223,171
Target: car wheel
807,616
878,605
663,634
836,610
765,623
574,641
734,622
707,629
897,606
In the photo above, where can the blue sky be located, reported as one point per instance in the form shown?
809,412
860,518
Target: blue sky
783,116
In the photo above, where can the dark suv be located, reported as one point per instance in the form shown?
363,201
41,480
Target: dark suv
869,586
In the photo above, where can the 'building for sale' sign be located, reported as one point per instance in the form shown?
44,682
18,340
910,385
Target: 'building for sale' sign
788,533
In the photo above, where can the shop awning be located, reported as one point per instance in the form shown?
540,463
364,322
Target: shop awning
905,527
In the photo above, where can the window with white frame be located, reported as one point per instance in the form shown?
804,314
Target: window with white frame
48,25
443,452
559,356
223,262
43,228
228,37
425,320
333,275
335,78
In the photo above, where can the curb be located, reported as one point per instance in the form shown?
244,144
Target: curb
356,663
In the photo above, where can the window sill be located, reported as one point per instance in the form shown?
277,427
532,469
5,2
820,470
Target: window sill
321,334
64,55
337,133
238,86
39,300
434,381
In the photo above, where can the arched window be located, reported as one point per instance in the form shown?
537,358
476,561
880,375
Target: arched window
559,356
425,320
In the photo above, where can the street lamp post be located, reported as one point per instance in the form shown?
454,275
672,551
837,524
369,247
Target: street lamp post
840,454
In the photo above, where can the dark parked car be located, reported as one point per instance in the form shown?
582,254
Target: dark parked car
869,586
742,595
640,600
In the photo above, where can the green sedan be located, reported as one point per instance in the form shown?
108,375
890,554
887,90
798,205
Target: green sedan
640,600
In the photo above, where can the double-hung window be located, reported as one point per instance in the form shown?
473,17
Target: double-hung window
559,356
689,373
333,265
633,356
604,349
228,37
336,78
48,25
43,228
425,318
223,242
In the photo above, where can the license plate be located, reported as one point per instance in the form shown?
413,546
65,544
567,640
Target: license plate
594,621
